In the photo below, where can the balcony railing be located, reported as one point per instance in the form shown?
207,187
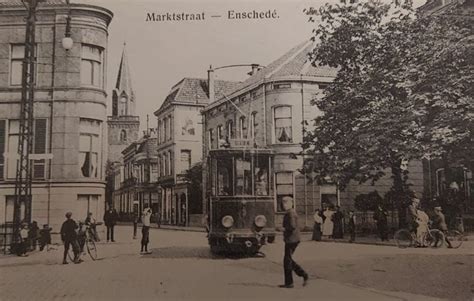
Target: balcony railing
123,118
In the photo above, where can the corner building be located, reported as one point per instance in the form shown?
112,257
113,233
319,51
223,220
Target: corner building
270,110
69,110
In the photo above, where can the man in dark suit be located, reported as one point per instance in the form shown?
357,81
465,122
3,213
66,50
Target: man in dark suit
110,219
291,236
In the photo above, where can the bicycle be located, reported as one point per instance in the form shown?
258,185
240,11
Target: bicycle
455,237
85,239
405,238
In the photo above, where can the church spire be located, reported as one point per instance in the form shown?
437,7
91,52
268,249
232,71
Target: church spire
123,97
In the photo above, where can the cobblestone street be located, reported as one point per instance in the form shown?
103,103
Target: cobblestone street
181,268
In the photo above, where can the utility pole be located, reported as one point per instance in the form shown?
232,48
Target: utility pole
25,141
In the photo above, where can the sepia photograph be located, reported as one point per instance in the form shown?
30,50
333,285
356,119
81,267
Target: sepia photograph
236,150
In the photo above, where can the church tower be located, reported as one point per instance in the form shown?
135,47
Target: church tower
123,125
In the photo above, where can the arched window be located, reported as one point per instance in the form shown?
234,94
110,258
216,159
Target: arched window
123,136
283,124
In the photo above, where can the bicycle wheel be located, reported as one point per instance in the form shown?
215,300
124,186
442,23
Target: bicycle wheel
435,238
403,238
91,248
455,238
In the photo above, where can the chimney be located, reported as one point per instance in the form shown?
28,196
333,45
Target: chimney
255,68
210,84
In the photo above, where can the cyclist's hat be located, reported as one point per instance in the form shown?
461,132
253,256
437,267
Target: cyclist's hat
68,214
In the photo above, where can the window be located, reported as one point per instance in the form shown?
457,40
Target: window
154,172
188,127
283,126
165,129
185,159
243,127
89,147
166,160
262,176
284,187
159,131
171,162
39,147
211,138
123,136
253,125
230,129
160,166
91,66
220,136
282,86
3,125
170,128
224,177
16,64
243,172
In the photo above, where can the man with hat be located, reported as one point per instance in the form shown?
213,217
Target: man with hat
69,237
291,236
439,222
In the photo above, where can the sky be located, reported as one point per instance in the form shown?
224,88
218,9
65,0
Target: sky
160,54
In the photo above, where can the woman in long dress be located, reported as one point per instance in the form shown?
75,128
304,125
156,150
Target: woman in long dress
328,225
318,221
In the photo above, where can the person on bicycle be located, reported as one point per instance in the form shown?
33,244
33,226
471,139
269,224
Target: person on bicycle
439,222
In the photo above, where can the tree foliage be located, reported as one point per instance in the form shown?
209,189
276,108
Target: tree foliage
402,90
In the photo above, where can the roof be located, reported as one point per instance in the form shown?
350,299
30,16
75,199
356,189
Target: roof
293,64
196,91
124,78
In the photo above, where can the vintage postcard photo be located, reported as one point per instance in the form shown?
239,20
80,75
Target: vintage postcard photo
236,150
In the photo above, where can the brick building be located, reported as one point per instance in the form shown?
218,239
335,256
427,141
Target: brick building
69,111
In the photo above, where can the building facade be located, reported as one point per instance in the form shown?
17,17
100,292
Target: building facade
135,177
69,110
179,134
271,110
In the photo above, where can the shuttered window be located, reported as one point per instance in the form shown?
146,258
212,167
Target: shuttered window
2,148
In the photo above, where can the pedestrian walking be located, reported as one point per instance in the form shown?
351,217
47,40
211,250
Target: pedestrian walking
338,220
69,238
33,235
110,220
351,226
318,221
381,219
23,242
291,237
145,230
136,219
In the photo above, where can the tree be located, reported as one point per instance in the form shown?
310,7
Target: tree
193,177
384,106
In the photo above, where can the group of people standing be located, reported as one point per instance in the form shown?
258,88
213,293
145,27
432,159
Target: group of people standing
30,236
329,223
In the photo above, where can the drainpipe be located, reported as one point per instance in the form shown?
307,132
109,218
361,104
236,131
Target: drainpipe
50,168
302,132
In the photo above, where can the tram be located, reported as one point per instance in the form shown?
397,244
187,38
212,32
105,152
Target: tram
241,203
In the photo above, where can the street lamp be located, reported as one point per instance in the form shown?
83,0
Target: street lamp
67,41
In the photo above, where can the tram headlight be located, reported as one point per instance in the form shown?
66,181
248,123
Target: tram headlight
227,221
260,221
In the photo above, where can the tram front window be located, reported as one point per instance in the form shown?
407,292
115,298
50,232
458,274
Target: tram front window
224,177
261,177
243,170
